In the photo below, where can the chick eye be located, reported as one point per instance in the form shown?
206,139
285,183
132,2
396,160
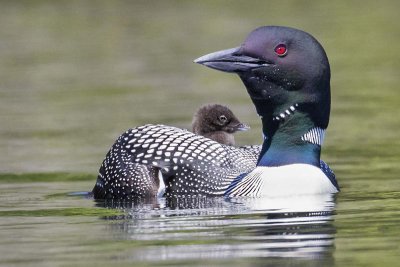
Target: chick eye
222,118
281,50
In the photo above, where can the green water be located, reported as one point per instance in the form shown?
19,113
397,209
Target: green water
76,74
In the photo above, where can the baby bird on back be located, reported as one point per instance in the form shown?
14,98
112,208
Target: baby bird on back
218,123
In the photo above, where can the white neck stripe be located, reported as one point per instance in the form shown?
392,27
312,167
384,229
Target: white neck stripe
314,136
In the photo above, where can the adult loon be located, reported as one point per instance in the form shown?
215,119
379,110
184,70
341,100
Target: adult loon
218,123
287,75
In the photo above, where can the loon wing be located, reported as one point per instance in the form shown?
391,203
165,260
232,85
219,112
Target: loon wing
189,164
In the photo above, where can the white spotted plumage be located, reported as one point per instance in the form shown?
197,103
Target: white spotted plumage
205,168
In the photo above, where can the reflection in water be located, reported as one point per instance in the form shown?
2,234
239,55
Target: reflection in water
218,228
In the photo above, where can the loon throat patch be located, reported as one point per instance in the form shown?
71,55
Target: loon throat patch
314,136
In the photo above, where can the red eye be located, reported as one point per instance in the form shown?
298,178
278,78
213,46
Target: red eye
281,50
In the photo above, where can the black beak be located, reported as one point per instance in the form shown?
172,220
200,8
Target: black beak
241,127
231,60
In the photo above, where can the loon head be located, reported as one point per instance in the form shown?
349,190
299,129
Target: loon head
281,67
287,75
218,123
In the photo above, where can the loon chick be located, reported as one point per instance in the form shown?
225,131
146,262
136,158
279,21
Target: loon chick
287,75
218,123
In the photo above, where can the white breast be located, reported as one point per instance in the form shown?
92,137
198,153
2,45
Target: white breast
294,179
